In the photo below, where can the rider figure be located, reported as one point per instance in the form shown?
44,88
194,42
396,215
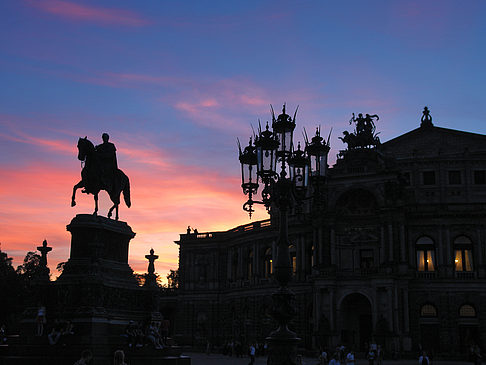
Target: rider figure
107,156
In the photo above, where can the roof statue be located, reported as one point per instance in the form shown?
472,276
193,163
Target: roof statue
426,120
364,134
101,172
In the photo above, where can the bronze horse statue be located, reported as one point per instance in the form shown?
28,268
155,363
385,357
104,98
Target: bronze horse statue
92,181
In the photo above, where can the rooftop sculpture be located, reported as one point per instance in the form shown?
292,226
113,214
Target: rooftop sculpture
364,134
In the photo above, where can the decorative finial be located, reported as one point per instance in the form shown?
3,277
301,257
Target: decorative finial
426,120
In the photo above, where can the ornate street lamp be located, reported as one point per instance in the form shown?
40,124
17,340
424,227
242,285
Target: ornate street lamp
317,152
249,180
273,148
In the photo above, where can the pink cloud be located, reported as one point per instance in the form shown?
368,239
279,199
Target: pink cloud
74,11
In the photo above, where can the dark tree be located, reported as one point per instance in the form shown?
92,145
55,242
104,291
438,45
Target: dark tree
173,279
60,266
31,268
11,289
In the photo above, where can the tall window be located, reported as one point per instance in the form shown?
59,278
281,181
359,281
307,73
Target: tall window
454,177
463,254
234,266
268,263
425,254
428,177
250,264
312,261
480,177
293,259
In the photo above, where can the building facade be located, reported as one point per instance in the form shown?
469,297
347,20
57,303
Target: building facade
393,252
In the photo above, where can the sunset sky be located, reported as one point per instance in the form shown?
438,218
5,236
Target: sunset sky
175,83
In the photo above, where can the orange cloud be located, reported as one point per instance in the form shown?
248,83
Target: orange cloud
75,11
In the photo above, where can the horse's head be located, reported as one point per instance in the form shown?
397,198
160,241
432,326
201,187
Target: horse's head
85,147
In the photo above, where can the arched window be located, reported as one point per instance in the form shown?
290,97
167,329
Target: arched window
467,311
428,310
425,254
250,265
268,262
293,259
463,254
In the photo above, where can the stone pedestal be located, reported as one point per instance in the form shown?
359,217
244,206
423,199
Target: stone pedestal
98,293
99,252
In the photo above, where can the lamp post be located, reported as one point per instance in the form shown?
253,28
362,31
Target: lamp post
284,172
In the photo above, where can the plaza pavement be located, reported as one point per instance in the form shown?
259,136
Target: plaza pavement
203,359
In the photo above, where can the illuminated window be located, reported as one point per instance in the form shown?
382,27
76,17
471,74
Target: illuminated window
467,311
268,269
425,254
428,310
293,258
463,254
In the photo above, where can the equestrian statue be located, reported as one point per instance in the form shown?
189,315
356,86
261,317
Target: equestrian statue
101,172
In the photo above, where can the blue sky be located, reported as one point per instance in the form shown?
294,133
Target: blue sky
175,83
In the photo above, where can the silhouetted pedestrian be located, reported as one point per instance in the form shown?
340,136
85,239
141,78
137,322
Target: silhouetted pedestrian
424,359
85,359
252,354
476,355
119,358
41,320
371,356
350,358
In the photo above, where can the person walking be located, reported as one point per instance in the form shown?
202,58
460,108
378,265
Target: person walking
323,357
371,356
424,359
350,358
252,354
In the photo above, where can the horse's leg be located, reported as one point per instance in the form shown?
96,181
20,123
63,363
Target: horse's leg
96,204
76,187
111,210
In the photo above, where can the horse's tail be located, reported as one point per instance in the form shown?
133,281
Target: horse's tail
126,193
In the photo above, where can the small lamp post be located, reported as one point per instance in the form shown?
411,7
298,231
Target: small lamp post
273,148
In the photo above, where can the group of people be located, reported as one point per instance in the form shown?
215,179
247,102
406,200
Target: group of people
340,356
87,355
153,333
60,333
237,349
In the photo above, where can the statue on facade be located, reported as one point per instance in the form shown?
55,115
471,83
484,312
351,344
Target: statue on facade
364,134
101,172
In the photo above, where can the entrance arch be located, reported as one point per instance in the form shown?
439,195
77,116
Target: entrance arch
356,321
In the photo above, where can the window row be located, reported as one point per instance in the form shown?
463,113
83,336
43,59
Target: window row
250,269
463,258
454,177
430,311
